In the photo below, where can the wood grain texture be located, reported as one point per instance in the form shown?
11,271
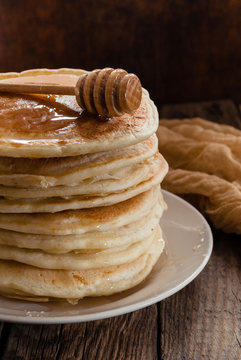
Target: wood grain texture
127,337
182,50
204,321
223,112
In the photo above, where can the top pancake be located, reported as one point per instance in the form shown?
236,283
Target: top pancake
35,126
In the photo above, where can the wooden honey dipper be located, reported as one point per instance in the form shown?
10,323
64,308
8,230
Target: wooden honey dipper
107,92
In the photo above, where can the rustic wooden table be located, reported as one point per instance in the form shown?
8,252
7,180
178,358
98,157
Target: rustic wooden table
202,321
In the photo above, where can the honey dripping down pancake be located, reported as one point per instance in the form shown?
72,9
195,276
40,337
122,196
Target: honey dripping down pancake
80,197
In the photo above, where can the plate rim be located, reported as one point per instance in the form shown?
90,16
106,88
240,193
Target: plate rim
124,309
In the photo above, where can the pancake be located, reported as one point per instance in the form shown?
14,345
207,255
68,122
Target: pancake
115,181
90,241
56,204
31,283
83,220
43,173
37,126
77,260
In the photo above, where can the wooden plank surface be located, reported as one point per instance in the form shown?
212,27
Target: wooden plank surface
202,321
130,336
223,111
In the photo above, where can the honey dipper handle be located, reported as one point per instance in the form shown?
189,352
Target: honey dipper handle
30,88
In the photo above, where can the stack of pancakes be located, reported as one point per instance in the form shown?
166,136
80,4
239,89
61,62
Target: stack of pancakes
80,199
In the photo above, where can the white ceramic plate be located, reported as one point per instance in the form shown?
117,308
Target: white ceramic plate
189,246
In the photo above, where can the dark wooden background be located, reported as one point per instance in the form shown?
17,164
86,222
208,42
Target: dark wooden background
183,50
